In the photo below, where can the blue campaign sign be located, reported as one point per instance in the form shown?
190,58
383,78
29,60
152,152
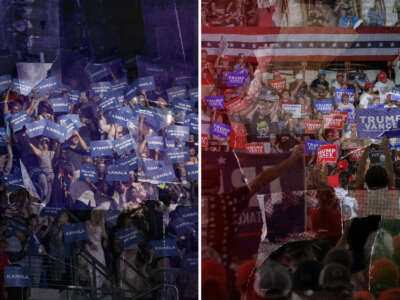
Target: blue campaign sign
146,84
190,262
130,161
350,117
19,119
101,87
74,96
101,148
119,84
194,94
124,144
192,120
340,92
395,94
120,116
176,92
163,174
192,172
189,213
54,212
155,142
60,104
181,226
13,179
22,87
129,236
325,106
70,128
164,248
97,72
220,129
17,277
151,165
236,78
215,102
46,85
75,232
178,155
55,131
117,173
111,217
5,81
109,101
313,145
131,91
120,96
181,104
376,106
374,122
170,143
149,115
183,79
178,132
88,172
36,128
74,118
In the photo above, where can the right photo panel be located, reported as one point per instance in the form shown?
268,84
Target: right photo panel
300,111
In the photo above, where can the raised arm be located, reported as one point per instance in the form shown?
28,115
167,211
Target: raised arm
271,174
5,110
361,168
35,149
81,141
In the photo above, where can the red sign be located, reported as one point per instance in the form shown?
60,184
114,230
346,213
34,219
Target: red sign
327,153
278,84
235,105
343,114
312,126
255,148
356,153
204,140
238,138
333,122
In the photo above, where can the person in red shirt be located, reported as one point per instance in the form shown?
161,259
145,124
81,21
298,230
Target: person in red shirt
285,98
207,72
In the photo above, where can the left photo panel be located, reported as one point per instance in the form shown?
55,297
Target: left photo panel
99,149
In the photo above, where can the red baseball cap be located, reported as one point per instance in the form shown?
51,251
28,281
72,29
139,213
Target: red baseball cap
368,85
342,165
228,92
339,75
382,76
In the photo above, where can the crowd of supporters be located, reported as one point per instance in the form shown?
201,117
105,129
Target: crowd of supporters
341,13
348,201
121,171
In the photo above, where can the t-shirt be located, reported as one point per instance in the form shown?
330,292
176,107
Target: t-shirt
317,83
45,161
75,156
365,100
342,106
383,89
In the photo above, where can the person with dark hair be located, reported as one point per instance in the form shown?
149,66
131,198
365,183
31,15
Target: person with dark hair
305,278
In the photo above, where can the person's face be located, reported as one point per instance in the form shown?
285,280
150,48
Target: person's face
16,108
227,97
285,95
320,115
322,77
340,79
63,218
345,99
75,140
192,152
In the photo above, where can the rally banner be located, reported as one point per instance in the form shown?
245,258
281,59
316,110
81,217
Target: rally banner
170,143
181,226
294,44
355,153
235,105
163,174
101,148
109,101
192,172
19,120
17,277
286,210
119,96
88,172
333,122
178,132
22,87
101,87
117,173
327,153
164,248
120,117
374,122
345,113
154,142
119,85
131,92
178,155
255,148
74,118
312,126
192,120
146,84
130,161
74,96
220,129
5,82
313,145
278,84
176,92
204,140
46,86
55,131
325,106
75,232
36,128
294,109
236,79
188,213
194,94
151,164
128,237
125,143
60,105
339,93
215,102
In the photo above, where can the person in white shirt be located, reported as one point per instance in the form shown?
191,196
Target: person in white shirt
368,96
396,68
390,103
383,86
337,84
